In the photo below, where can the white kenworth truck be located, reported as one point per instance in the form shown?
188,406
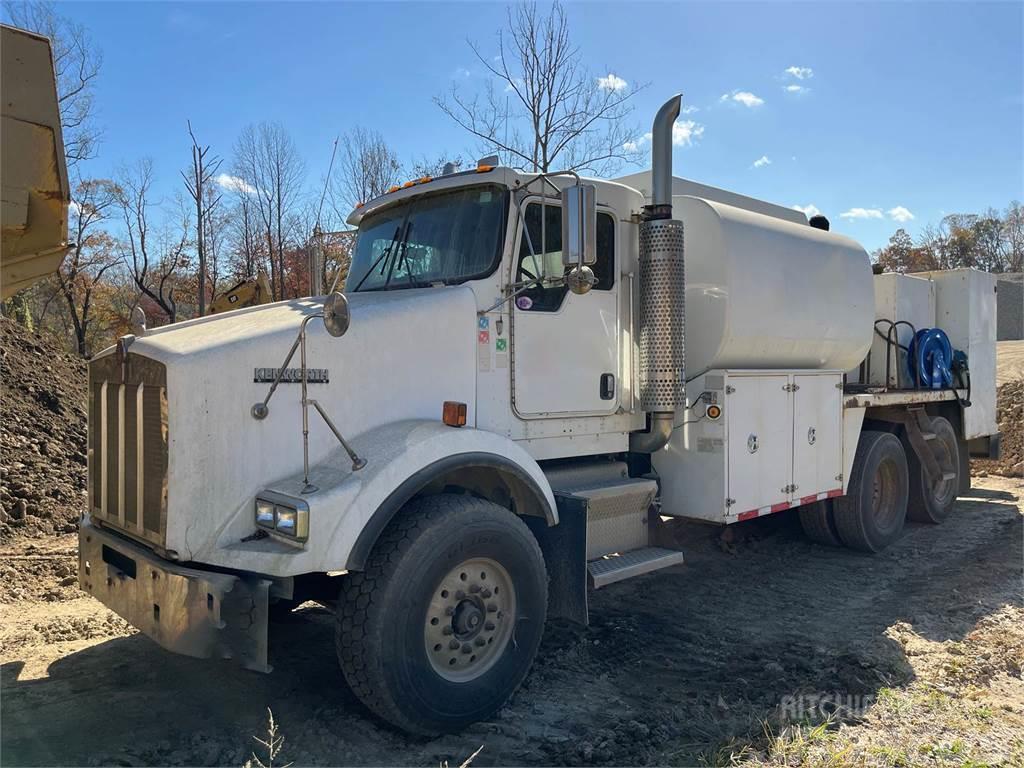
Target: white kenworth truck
527,377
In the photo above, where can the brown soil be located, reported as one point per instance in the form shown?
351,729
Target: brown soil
1010,417
696,664
42,435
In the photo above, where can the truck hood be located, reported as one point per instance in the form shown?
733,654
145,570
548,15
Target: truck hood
219,456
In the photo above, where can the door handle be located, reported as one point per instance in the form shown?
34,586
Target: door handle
607,386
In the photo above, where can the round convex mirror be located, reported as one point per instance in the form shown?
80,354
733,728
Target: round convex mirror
336,314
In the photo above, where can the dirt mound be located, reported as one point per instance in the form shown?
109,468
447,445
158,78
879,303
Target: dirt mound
1010,415
42,434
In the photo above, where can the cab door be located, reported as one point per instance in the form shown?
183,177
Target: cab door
565,349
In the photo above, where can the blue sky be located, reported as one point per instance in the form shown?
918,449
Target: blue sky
904,107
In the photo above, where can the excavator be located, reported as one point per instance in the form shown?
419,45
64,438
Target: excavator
35,193
247,293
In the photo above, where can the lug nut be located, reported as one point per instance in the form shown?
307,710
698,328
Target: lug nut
460,595
492,608
485,593
479,641
474,589
453,644
489,626
449,611
446,631
467,648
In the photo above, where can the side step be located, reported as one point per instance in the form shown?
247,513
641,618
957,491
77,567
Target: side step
611,568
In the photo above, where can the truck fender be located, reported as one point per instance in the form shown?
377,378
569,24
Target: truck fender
430,458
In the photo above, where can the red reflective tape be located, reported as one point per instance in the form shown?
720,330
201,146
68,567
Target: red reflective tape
836,492
808,499
779,507
747,515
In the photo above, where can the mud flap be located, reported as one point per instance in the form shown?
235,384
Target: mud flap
564,547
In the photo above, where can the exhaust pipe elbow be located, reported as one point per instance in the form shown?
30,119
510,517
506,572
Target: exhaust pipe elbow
657,435
661,153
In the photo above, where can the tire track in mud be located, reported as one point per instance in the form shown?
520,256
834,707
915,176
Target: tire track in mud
673,665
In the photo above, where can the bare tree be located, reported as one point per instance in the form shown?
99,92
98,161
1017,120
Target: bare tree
198,183
367,168
540,107
268,162
1013,226
92,254
153,257
77,64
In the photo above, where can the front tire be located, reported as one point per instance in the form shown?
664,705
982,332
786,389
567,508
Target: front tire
443,625
872,514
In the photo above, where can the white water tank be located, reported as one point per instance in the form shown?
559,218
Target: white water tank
765,293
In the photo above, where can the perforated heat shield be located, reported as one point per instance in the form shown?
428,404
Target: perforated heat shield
662,311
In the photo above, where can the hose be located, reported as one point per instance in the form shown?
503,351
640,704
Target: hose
930,357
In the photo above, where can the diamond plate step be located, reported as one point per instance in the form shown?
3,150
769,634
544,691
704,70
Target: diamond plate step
608,570
617,515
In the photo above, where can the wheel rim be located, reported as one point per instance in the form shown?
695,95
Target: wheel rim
883,495
469,620
941,490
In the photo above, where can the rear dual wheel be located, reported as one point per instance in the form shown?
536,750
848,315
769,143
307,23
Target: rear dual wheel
871,515
443,624
932,498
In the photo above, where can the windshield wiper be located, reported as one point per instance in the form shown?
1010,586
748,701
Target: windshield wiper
383,255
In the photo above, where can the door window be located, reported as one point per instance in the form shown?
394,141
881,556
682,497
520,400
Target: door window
547,262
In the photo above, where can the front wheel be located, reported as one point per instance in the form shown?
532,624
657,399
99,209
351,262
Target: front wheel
442,626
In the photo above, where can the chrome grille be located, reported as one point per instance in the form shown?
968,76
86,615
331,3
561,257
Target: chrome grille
128,444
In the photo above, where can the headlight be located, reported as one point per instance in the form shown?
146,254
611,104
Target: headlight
282,514
264,513
286,520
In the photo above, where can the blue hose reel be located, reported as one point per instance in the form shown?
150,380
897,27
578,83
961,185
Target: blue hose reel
930,359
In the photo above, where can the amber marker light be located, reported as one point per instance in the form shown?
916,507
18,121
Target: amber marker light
454,414
714,412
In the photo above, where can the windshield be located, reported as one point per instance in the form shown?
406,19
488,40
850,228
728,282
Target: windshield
446,237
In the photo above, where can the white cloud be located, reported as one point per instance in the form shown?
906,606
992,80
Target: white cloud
634,145
74,208
611,83
461,72
762,161
900,214
746,98
689,109
685,132
800,73
233,183
796,89
808,210
862,213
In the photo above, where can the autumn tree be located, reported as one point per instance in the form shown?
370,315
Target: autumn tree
77,64
92,254
268,164
540,107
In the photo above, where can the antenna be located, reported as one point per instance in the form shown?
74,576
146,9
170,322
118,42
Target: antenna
316,253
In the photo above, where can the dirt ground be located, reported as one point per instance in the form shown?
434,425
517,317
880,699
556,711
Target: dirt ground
922,647
1009,361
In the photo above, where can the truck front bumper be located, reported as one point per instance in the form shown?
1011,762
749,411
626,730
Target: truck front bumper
196,613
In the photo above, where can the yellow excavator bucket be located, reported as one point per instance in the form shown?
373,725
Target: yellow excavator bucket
33,174
248,293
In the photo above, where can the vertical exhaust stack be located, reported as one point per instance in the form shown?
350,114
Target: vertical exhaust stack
661,294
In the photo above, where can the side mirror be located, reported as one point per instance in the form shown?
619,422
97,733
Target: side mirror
579,225
336,314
